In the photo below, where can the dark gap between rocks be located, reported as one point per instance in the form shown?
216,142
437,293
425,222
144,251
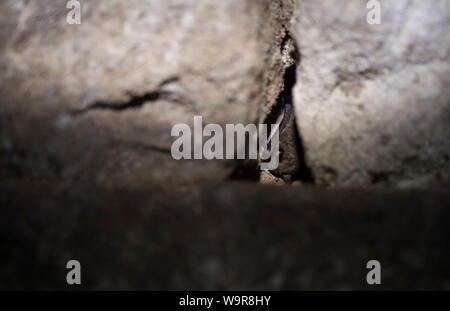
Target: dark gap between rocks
290,138
302,172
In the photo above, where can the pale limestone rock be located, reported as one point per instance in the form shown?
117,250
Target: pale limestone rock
373,101
97,101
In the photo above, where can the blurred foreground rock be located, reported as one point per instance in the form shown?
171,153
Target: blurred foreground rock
229,236
373,101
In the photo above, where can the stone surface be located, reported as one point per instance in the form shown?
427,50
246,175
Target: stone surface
373,101
85,166
96,101
267,178
223,237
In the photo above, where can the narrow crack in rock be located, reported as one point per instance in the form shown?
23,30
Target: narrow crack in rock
136,101
293,166
159,149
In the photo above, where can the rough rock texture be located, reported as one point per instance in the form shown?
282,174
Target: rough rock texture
86,113
373,101
229,236
282,54
96,101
